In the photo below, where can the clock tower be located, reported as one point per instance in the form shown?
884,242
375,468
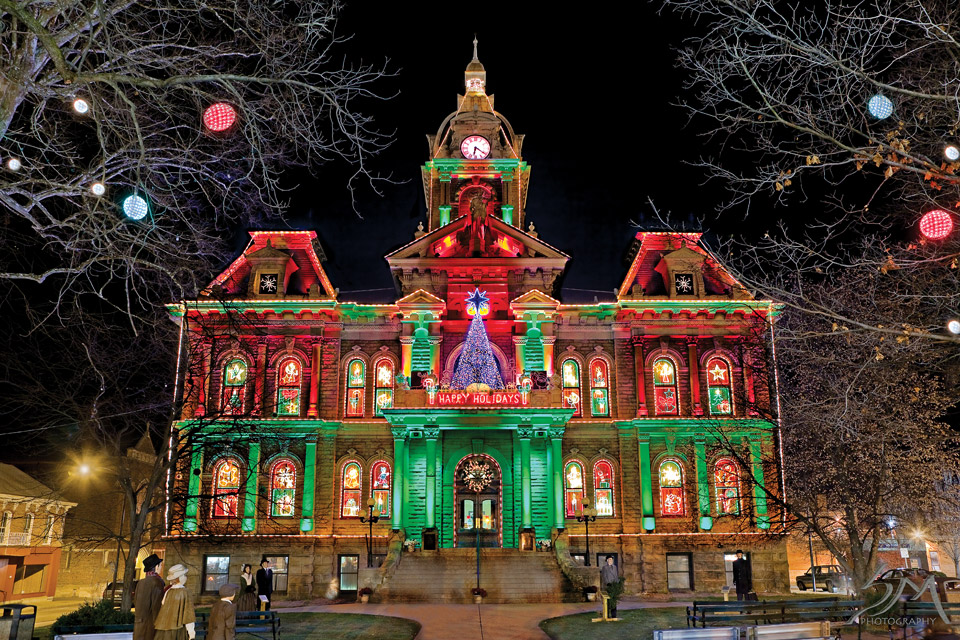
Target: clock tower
475,159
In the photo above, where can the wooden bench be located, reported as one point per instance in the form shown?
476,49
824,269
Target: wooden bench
255,623
919,611
791,631
96,632
770,611
713,633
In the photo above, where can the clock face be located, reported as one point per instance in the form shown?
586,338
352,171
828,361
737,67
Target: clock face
475,147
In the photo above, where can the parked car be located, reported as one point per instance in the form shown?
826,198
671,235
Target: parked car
829,578
117,594
917,577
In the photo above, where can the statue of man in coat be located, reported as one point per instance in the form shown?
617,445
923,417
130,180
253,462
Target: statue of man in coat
148,597
742,580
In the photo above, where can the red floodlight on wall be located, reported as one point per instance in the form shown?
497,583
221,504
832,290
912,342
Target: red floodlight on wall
936,224
219,117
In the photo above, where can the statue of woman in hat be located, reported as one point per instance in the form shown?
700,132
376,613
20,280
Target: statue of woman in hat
176,619
149,594
247,600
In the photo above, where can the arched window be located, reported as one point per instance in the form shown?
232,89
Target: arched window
289,377
718,387
226,488
381,480
570,371
356,379
603,487
350,490
665,394
283,488
573,488
234,387
599,387
28,526
726,477
671,488
383,393
5,523
48,529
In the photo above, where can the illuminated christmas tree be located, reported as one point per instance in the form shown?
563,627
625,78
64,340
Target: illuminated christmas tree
477,363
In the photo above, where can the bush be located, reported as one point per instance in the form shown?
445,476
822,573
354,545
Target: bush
590,589
366,591
614,591
94,615
479,591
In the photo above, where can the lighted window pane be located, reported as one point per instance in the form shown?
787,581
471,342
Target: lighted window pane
727,481
350,482
719,387
354,402
289,402
570,372
356,381
603,488
283,482
226,488
467,514
384,400
351,504
665,393
289,377
380,482
671,488
234,382
383,393
487,520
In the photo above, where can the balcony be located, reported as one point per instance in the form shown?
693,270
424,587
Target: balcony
417,398
16,539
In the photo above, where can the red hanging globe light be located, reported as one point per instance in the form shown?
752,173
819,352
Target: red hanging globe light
936,224
219,117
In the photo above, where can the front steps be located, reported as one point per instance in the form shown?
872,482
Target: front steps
449,575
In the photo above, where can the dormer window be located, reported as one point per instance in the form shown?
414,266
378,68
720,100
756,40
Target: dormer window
268,283
683,283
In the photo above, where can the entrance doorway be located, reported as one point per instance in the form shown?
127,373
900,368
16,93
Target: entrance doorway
477,491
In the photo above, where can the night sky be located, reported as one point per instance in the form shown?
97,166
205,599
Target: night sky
592,92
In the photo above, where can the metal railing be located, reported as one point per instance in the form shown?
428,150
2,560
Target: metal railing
16,539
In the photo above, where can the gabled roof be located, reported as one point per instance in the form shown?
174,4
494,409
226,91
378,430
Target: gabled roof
14,482
517,240
298,245
647,272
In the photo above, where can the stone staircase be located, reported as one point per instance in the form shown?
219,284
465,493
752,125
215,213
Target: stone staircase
448,575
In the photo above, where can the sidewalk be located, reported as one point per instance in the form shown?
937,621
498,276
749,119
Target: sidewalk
476,622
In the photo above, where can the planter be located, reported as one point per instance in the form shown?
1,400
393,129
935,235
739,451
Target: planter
364,599
477,599
591,597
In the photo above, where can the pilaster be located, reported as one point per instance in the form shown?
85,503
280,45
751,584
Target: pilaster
703,486
309,478
646,484
399,475
249,524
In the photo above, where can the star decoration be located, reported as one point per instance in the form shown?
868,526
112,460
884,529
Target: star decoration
477,300
718,373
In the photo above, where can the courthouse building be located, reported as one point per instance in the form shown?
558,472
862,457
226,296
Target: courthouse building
475,407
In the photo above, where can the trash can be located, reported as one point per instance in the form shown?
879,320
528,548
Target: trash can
17,621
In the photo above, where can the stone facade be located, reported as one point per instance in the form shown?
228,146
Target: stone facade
654,407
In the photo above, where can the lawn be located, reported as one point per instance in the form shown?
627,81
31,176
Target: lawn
634,623
327,626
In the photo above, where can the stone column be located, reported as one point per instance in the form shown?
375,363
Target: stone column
694,370
703,484
206,354
249,524
639,368
435,355
431,436
399,475
759,491
519,343
748,383
526,504
548,342
259,374
551,488
315,365
194,485
646,485
556,441
309,481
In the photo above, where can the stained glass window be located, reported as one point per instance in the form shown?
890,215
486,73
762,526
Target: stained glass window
350,490
599,387
718,387
234,385
666,400
289,377
356,380
726,477
383,393
283,488
226,488
381,480
603,487
570,372
573,488
671,488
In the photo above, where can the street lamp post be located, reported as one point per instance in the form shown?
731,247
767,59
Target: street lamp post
372,518
588,515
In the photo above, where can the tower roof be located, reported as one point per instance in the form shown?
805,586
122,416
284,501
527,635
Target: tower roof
475,77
